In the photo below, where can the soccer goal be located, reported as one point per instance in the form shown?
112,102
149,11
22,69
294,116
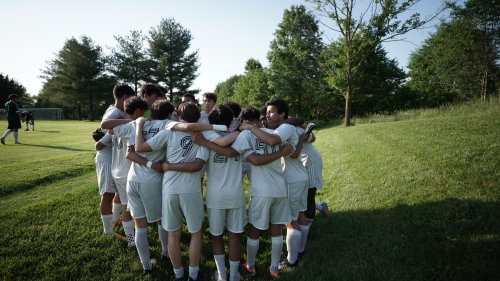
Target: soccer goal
45,113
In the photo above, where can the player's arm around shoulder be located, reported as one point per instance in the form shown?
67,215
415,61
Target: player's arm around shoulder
267,138
258,160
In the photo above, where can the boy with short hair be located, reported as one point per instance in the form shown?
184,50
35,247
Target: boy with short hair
14,118
209,101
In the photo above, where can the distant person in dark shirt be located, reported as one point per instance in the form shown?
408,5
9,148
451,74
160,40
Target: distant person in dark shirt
14,118
30,119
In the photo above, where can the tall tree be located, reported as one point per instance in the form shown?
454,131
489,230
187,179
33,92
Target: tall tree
225,90
77,75
380,18
129,62
10,86
169,43
294,58
252,87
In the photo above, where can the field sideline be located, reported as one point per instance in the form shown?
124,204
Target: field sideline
415,199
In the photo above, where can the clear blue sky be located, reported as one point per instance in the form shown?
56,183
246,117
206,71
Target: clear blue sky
226,33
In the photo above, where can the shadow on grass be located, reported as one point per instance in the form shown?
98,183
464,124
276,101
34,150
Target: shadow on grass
448,240
57,147
44,131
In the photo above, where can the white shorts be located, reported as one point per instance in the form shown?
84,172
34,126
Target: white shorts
121,187
315,173
235,219
144,200
202,171
177,206
246,168
297,197
265,210
104,177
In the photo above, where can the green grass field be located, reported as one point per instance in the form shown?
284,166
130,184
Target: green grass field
414,197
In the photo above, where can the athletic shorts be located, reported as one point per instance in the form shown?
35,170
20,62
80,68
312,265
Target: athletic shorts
235,220
245,169
14,124
315,173
121,187
179,206
104,177
297,197
265,210
144,200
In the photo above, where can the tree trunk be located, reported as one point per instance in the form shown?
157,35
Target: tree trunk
347,117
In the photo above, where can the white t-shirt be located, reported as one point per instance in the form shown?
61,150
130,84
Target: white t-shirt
119,163
203,118
179,149
309,153
234,125
138,172
105,154
266,180
224,188
293,169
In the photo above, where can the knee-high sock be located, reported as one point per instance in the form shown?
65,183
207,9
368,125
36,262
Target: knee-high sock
7,133
233,270
304,230
16,134
220,262
163,234
128,227
142,245
293,238
276,249
117,209
106,224
193,272
252,248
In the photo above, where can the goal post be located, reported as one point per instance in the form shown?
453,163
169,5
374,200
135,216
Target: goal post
41,113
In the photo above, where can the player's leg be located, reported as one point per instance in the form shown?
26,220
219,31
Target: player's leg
8,132
33,122
27,121
293,233
216,220
280,215
117,209
193,209
236,220
127,222
172,219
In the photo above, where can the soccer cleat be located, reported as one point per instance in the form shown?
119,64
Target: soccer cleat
325,212
250,272
201,277
165,258
2,140
217,277
301,255
147,272
27,130
309,128
18,142
273,274
176,279
286,264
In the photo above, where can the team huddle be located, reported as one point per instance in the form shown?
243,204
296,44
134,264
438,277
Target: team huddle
152,161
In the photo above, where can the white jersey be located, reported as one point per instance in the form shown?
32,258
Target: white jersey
105,154
203,118
120,165
266,180
309,153
235,124
140,173
224,188
179,149
293,169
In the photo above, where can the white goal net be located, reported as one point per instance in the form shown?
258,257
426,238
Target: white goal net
40,113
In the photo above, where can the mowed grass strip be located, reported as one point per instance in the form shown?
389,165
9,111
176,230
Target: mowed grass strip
412,199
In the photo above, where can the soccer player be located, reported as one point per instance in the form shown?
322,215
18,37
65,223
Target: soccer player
150,93
30,119
225,197
295,176
181,194
14,118
209,101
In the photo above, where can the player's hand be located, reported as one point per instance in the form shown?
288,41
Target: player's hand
245,126
141,120
197,138
287,149
157,166
164,166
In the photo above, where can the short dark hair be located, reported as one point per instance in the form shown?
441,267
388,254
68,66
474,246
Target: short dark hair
133,103
191,96
280,105
189,112
151,89
161,109
263,110
13,96
235,107
250,113
210,96
163,89
121,90
222,115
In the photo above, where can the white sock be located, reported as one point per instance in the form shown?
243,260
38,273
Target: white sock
318,207
193,272
252,248
163,234
106,224
26,126
276,249
128,227
16,134
293,238
142,245
304,230
117,209
7,133
220,262
33,127
310,222
179,272
233,270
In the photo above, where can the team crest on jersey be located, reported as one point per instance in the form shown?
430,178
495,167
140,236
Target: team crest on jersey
153,131
220,158
260,146
187,145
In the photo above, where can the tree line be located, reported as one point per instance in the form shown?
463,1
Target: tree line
321,78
